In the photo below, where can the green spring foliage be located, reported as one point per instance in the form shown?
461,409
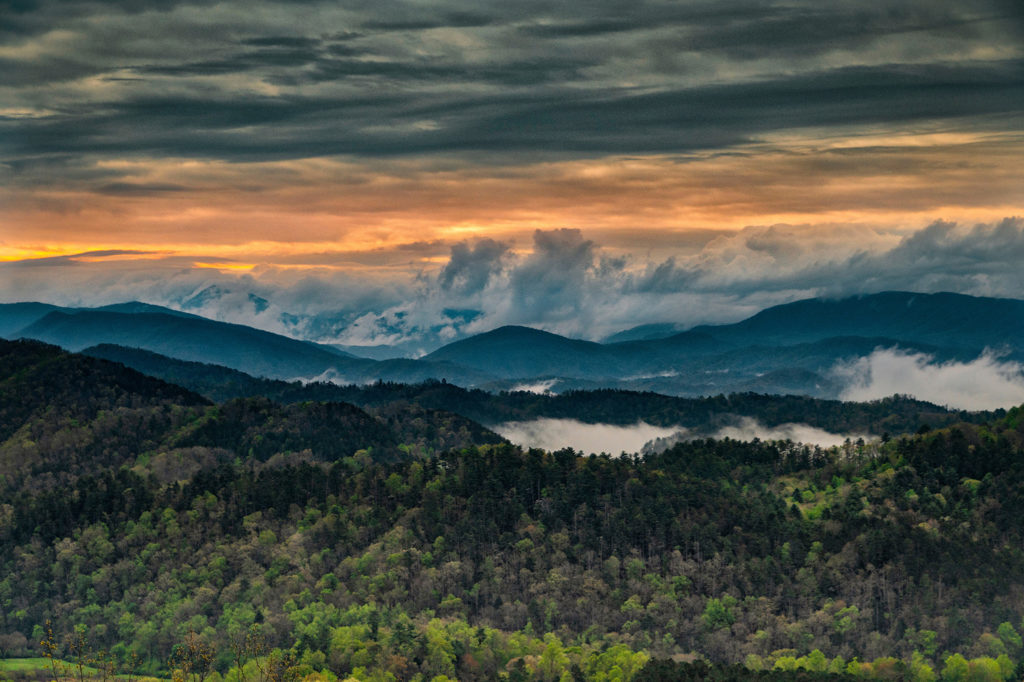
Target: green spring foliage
142,515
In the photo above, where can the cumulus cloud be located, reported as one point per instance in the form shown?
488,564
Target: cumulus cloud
985,383
179,80
835,260
550,281
471,266
555,434
563,282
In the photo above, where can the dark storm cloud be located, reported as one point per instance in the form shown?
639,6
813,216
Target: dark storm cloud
582,28
518,73
557,120
429,20
799,30
292,42
754,30
21,72
289,80
243,61
725,115
273,54
705,25
31,17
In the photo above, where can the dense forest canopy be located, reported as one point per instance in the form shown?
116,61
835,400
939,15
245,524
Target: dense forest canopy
401,542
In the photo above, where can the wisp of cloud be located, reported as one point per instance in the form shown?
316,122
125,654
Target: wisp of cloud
984,383
555,434
540,387
748,429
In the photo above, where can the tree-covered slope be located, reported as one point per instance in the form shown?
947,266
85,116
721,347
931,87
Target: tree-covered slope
38,380
156,519
64,415
738,552
892,415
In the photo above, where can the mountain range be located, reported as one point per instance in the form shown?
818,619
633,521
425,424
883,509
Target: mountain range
893,415
790,349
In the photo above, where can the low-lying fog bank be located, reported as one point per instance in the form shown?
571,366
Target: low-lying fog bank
555,434
748,429
986,383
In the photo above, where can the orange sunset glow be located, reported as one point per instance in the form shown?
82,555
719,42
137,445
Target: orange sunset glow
327,160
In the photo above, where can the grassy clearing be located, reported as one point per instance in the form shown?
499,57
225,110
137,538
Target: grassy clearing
27,665
67,670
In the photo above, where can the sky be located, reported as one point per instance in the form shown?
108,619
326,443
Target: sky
411,171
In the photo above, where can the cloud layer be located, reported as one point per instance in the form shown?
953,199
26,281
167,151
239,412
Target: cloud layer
982,384
263,80
749,429
555,434
424,294
257,125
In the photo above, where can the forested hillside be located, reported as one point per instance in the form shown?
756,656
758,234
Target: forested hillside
890,416
64,415
153,515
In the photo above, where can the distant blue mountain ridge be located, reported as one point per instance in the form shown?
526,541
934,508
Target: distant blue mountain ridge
789,348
